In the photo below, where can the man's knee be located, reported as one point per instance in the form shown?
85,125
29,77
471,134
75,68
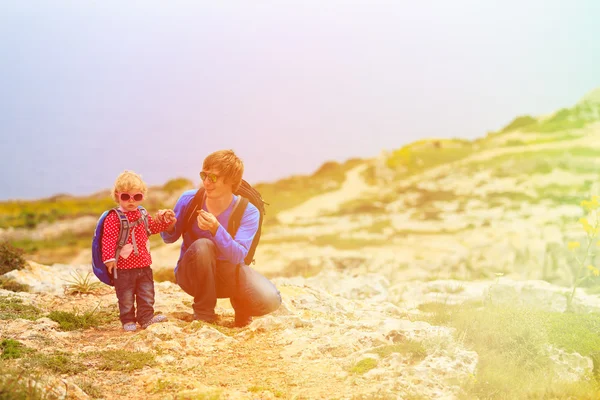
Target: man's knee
198,262
202,246
270,300
202,252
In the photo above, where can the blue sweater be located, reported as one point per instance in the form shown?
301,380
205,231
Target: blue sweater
233,250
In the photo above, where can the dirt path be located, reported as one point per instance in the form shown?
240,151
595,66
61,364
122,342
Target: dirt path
353,187
250,367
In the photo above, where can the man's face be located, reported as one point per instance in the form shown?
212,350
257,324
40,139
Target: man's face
214,184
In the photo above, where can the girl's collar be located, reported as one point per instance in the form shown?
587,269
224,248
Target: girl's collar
125,211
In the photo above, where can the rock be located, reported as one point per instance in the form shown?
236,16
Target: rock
570,367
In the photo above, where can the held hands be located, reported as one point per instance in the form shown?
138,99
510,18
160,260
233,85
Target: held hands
208,222
166,216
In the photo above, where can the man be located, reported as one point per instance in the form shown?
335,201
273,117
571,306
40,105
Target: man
211,263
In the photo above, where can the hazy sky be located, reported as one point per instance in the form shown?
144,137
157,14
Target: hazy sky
90,88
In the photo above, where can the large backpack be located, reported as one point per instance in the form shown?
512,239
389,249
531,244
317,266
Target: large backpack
246,193
98,266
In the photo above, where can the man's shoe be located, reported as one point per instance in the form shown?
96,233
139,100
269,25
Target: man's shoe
207,320
242,320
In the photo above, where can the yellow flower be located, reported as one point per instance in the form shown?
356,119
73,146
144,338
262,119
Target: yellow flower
499,274
594,270
590,204
574,245
584,222
586,226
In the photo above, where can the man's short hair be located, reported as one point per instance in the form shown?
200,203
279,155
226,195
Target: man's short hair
229,165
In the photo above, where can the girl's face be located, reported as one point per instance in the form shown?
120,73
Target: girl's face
131,199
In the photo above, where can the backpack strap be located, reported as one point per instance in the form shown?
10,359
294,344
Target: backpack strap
145,219
236,215
123,235
190,211
233,225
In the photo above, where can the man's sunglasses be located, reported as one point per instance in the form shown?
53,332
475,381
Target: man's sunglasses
212,177
136,197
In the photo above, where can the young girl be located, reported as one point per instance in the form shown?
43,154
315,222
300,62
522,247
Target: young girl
133,282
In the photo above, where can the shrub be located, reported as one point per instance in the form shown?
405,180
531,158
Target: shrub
10,258
178,184
519,122
11,349
164,274
12,285
80,284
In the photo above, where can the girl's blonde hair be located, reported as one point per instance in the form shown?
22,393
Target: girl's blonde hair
128,181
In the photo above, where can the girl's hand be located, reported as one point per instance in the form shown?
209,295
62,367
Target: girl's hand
166,216
109,266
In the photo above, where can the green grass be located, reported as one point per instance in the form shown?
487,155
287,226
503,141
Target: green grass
12,349
363,366
13,308
511,344
58,362
122,360
69,321
412,348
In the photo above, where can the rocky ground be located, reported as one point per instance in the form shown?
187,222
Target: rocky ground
337,335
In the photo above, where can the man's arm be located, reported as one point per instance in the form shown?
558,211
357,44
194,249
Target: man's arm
174,232
236,249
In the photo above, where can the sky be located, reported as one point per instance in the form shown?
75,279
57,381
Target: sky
91,88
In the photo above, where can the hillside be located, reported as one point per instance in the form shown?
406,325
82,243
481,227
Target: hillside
442,269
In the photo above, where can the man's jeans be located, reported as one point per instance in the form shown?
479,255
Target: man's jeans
135,285
205,278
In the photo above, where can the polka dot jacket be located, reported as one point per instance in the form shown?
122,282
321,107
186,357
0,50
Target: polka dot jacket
127,258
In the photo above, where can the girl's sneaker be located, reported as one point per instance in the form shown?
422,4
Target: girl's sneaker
157,318
130,327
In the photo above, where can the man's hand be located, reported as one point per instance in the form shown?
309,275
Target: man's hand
110,265
208,222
